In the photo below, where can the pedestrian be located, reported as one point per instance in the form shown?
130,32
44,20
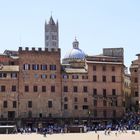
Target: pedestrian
95,130
98,137
45,133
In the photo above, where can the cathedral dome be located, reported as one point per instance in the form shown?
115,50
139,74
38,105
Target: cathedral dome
75,53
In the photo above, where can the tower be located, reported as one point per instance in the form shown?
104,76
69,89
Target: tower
51,34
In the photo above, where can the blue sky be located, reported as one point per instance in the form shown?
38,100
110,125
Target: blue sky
97,24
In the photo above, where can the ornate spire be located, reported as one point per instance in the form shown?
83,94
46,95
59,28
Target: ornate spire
51,21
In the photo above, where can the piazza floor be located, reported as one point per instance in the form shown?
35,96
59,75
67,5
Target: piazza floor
73,136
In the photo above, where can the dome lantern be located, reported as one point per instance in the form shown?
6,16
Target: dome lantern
75,43
74,54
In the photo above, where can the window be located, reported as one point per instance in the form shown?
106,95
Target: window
115,103
104,103
14,104
137,102
54,43
113,92
43,88
136,80
94,102
65,106
113,68
85,89
136,94
110,103
104,78
75,107
75,76
65,89
123,103
3,75
94,67
84,77
85,100
52,76
50,104
35,88
35,67
2,88
104,92
47,37
113,79
36,76
85,107
12,63
75,99
52,88
26,88
75,89
65,99
94,78
54,37
44,67
52,67
13,75
104,68
5,104
65,76
29,104
94,92
40,115
43,76
13,88
26,66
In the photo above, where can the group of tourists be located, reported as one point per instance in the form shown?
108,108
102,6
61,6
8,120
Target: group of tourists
130,121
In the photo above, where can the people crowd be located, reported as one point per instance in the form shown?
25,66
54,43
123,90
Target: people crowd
130,121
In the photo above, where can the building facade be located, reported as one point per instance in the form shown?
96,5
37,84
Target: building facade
35,85
39,83
95,89
135,84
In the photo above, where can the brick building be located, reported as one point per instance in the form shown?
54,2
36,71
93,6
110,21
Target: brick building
135,84
35,86
94,88
39,83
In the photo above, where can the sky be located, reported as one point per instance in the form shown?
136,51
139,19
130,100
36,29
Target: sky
96,24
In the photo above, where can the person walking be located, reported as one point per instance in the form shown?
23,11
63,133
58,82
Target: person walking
98,137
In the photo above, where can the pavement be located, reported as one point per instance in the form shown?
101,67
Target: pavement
74,136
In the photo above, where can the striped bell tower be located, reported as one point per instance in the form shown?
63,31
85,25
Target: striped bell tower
51,34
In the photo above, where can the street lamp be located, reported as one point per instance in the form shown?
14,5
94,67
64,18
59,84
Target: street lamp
89,116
